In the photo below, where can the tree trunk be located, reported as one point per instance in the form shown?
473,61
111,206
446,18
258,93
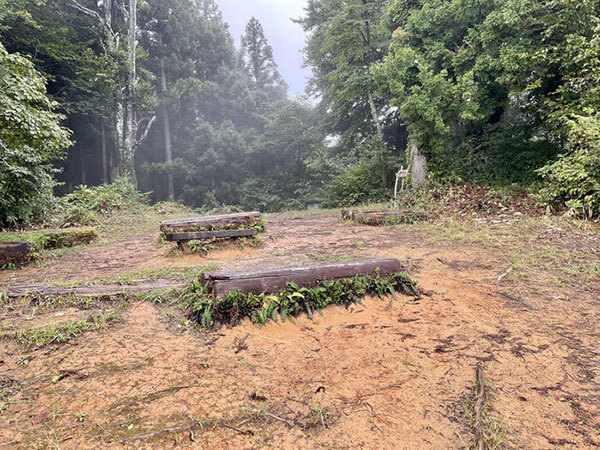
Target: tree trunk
167,130
105,179
128,157
418,172
379,130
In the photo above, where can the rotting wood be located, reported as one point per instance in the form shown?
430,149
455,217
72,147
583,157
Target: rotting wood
210,223
383,217
15,253
272,280
199,235
138,287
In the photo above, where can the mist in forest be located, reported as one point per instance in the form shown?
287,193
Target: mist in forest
196,101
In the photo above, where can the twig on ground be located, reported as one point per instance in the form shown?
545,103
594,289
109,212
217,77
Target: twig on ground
505,274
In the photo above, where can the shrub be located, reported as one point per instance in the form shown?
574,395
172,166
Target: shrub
30,139
574,179
358,184
85,204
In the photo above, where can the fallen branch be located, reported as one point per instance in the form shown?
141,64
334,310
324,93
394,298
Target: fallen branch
479,405
191,428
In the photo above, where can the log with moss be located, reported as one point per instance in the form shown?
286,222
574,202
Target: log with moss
54,238
239,221
383,217
15,253
272,280
229,297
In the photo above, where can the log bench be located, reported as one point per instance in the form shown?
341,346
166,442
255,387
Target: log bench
383,217
273,280
226,226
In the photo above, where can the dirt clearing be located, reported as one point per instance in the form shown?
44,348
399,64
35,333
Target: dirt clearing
389,374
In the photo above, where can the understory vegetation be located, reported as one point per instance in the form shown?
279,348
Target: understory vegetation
290,301
158,99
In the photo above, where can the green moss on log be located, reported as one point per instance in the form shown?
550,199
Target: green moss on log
53,239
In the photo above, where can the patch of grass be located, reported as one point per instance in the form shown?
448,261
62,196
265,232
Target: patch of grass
318,417
63,332
290,301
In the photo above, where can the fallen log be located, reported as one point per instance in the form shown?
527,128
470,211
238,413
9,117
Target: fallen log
18,290
16,253
211,223
272,280
202,235
384,217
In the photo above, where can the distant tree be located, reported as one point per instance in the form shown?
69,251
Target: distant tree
30,139
345,39
259,62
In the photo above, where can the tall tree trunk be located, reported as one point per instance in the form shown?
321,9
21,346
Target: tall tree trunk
418,162
128,157
379,130
167,130
104,152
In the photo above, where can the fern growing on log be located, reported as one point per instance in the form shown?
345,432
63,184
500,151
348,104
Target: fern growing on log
291,301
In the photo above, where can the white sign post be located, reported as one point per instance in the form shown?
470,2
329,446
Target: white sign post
401,175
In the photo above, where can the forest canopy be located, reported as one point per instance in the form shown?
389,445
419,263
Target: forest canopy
481,91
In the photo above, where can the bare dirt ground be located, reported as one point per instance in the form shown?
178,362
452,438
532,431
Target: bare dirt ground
389,374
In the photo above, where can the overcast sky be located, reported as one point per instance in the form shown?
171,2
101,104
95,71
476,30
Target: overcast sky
286,37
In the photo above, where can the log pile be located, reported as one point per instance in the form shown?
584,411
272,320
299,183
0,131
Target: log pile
383,217
228,226
273,280
16,253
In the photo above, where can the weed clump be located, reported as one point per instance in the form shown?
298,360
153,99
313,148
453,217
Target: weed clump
85,204
291,301
63,332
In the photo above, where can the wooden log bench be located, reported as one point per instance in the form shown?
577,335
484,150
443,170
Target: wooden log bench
273,280
227,226
16,253
383,217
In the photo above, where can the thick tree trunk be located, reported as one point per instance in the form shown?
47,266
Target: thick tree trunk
167,130
128,157
418,172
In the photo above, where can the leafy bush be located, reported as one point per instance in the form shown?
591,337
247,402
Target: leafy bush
574,179
360,183
30,139
85,204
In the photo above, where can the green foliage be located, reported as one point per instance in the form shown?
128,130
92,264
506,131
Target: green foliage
53,239
86,204
30,139
358,184
291,300
58,333
574,179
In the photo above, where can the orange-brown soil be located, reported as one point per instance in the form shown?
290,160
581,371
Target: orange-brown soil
389,374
